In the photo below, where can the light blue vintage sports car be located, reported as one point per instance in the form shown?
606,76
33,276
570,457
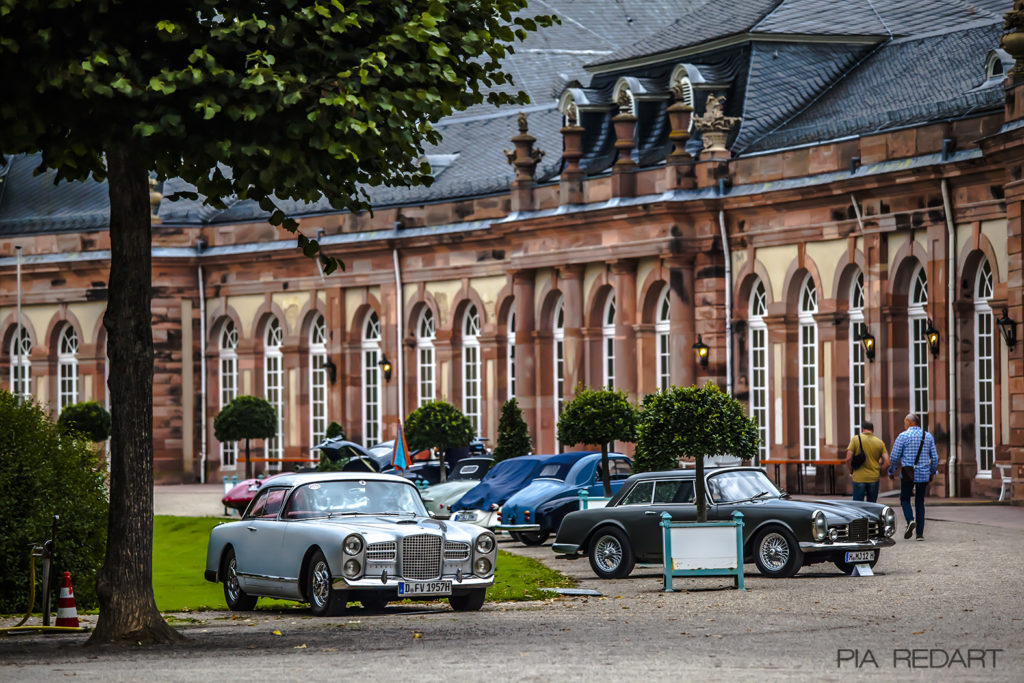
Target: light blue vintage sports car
328,538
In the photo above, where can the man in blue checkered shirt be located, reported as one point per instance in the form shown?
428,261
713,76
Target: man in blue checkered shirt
914,448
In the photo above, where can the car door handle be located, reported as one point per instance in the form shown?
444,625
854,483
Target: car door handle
251,528
650,513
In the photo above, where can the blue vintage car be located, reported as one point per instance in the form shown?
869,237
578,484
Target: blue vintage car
534,513
481,503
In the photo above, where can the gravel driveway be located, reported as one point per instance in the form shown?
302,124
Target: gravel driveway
950,598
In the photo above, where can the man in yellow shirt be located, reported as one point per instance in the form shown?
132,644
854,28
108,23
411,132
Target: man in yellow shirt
865,477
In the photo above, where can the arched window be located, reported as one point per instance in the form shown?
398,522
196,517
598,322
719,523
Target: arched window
918,321
21,363
67,366
857,330
558,367
661,330
757,331
317,384
808,371
984,369
425,334
471,367
273,383
511,355
227,354
371,381
608,343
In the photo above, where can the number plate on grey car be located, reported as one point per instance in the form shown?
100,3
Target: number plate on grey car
424,587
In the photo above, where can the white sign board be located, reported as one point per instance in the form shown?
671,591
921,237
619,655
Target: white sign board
704,547
593,503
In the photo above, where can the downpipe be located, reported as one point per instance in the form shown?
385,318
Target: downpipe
728,301
202,369
951,280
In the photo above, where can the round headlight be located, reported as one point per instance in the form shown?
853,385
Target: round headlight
482,566
833,534
353,545
819,527
484,543
889,516
352,568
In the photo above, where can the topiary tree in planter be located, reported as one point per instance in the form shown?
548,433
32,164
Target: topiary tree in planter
693,422
334,430
513,434
597,417
45,471
438,425
246,417
87,418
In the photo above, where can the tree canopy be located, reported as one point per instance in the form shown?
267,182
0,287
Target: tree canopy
692,422
597,416
245,417
88,418
438,425
267,100
513,433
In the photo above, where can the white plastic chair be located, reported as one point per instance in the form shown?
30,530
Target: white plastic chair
1007,480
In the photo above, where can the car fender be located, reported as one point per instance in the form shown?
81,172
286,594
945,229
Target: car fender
604,523
754,530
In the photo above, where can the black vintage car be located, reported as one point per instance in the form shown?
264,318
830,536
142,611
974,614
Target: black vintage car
780,534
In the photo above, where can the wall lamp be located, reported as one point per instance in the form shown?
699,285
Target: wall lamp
867,340
385,366
702,351
1008,328
331,369
932,335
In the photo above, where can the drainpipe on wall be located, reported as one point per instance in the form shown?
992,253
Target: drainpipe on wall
398,359
728,302
20,389
200,245
951,279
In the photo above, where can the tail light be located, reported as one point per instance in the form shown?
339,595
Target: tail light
526,516
499,516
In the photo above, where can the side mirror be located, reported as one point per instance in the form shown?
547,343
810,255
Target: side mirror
431,513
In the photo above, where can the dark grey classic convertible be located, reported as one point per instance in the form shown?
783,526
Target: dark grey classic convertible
331,538
780,535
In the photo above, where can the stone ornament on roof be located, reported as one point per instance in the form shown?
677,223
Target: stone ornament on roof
715,125
521,122
1013,41
572,114
625,102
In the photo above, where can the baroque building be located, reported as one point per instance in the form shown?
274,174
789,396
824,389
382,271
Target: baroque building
827,198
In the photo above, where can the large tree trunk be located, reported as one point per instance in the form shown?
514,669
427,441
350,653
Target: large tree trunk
701,490
124,585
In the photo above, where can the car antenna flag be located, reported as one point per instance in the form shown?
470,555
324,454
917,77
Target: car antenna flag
400,456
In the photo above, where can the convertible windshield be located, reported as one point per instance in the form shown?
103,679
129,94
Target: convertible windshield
362,497
730,487
555,470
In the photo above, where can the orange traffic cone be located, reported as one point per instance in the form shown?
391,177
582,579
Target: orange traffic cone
67,615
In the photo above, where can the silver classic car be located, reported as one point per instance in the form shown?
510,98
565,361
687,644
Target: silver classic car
334,537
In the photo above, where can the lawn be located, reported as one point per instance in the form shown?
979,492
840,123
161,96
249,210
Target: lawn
179,560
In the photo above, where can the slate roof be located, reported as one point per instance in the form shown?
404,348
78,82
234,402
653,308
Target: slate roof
30,203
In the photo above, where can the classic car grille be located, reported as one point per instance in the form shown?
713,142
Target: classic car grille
421,557
456,551
386,551
857,531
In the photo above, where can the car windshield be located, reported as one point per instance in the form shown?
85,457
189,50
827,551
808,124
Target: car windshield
728,487
354,496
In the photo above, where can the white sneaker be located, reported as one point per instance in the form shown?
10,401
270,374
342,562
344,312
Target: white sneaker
909,530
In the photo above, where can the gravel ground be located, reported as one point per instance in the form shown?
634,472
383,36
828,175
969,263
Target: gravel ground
950,598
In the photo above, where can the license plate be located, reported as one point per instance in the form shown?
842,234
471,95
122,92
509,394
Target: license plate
860,556
424,587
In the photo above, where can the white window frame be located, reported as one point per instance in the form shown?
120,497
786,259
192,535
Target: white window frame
608,342
558,359
317,384
984,373
21,363
67,368
371,381
471,367
273,385
757,333
227,367
808,342
662,327
858,367
917,348
510,356
426,333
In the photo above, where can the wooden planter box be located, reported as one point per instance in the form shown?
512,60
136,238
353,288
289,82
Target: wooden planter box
703,549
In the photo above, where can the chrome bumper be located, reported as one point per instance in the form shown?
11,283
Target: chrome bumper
517,527
565,548
820,547
367,583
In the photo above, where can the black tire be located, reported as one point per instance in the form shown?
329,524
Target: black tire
238,600
847,567
470,601
611,554
324,601
374,601
777,554
532,538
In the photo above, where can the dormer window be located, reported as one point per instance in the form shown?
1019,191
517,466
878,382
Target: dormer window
996,64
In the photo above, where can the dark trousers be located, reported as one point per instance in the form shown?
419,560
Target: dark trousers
918,491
